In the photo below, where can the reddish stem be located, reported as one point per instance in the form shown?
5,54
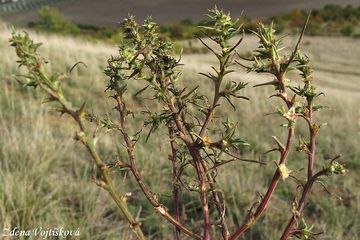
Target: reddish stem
217,202
202,191
264,202
175,188
311,154
310,178
148,194
194,152
288,230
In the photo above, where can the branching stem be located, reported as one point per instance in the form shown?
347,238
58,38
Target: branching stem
106,180
265,200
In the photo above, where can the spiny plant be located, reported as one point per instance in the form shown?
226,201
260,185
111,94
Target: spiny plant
187,119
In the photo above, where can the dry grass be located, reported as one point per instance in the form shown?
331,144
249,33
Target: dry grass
46,174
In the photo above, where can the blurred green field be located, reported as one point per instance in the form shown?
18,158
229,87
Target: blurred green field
46,175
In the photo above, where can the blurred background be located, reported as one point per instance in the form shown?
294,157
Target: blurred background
45,175
110,12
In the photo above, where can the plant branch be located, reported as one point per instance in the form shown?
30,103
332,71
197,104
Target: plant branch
160,209
293,54
106,182
265,200
175,187
130,146
301,204
310,178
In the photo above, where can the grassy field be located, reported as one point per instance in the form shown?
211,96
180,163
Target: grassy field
45,174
